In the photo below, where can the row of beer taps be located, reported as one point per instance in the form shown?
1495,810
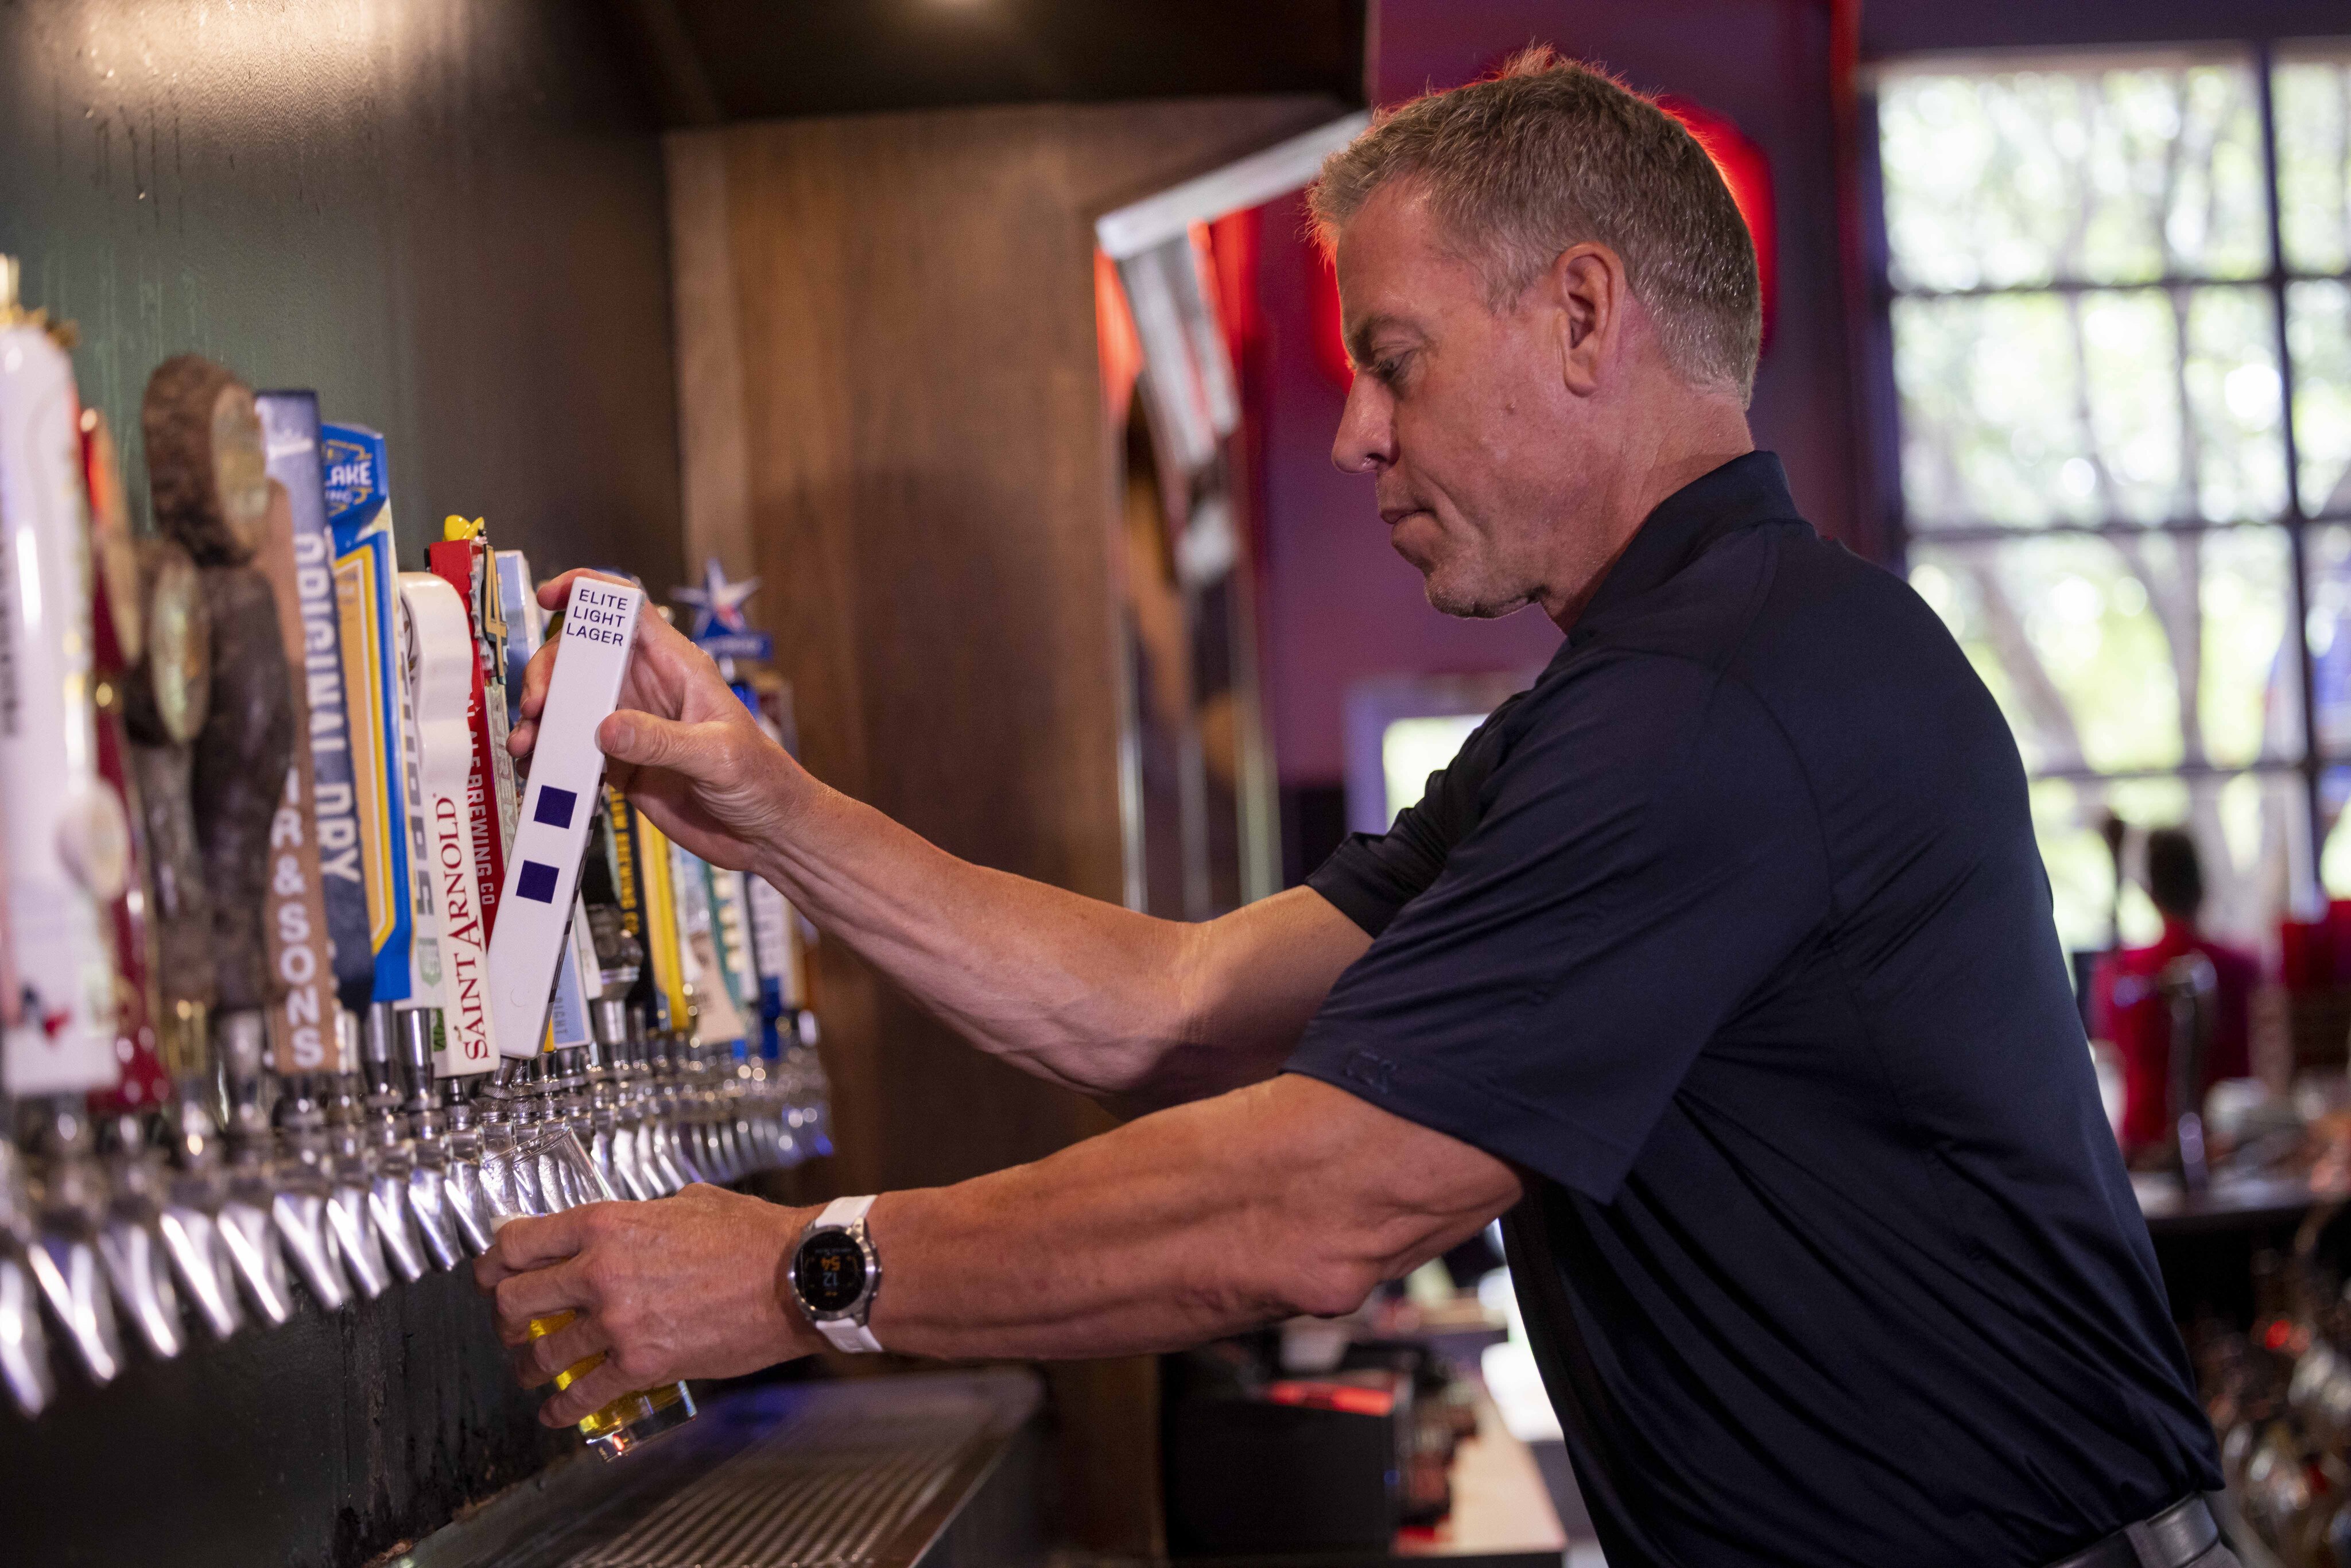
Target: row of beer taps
209,1208
196,1132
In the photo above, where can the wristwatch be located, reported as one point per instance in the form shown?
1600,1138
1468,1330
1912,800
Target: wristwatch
835,1274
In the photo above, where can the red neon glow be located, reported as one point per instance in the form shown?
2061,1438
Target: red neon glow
1328,325
1229,246
1115,338
1350,1398
1748,172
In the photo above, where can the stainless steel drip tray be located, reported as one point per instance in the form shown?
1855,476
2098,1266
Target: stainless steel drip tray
878,1472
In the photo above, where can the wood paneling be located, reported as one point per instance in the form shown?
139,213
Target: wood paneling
892,414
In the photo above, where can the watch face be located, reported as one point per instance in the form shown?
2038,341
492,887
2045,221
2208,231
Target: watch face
829,1272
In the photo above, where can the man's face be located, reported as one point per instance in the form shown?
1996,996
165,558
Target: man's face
1458,413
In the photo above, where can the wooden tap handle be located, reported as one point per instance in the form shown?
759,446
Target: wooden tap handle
206,466
239,775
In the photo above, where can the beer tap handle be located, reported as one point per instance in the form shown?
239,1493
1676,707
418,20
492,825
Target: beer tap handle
67,843
66,854
209,480
437,663
238,778
311,614
166,696
118,647
129,1236
311,1032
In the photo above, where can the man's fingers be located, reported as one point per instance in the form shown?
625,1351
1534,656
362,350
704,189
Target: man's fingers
536,676
556,593
642,740
531,1242
538,1361
553,595
539,1294
593,1392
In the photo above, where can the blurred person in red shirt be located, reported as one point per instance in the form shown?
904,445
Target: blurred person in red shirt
2127,1008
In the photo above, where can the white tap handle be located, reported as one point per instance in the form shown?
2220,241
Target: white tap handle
576,977
437,663
66,852
566,772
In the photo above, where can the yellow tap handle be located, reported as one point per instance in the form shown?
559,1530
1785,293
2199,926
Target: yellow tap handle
660,934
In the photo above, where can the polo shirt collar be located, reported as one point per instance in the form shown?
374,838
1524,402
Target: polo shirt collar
1745,491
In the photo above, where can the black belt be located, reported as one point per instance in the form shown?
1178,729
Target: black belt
2179,1537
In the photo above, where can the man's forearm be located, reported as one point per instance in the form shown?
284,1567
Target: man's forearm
1283,1198
1100,999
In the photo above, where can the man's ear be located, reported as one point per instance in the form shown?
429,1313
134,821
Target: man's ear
1585,286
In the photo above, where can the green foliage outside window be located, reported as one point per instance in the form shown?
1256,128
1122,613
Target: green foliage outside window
2092,345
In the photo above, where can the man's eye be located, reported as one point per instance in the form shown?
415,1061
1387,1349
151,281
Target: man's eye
1388,370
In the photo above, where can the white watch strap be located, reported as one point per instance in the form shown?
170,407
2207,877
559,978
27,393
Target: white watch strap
844,1211
844,1333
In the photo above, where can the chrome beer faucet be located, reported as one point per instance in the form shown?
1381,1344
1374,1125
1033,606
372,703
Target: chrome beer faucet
429,1155
351,1210
391,1160
131,1245
196,1187
249,1222
304,1194
68,1193
23,1343
462,1178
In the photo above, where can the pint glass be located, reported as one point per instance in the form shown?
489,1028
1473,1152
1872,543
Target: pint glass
543,1173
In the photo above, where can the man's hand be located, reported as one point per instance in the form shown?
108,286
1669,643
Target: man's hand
690,1286
681,744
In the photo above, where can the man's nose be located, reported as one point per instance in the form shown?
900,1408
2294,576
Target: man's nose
1366,439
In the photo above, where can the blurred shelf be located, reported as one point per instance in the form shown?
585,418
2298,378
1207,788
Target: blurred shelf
2229,1203
1502,1515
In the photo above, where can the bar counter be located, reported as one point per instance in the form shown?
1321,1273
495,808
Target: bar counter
929,1470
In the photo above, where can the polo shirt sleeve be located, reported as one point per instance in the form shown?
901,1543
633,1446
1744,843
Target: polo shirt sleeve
1648,856
1370,877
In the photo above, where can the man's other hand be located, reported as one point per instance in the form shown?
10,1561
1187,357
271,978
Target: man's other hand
690,1286
681,744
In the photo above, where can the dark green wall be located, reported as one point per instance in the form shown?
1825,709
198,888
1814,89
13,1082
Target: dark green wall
447,218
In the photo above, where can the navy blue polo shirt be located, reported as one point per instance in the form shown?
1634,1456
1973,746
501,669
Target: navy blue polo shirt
1732,935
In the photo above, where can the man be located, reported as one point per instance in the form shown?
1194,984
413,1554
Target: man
1721,960
2128,1007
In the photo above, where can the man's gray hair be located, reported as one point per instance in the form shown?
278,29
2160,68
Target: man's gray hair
1550,154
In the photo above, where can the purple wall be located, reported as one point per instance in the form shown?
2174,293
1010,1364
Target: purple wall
1339,605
